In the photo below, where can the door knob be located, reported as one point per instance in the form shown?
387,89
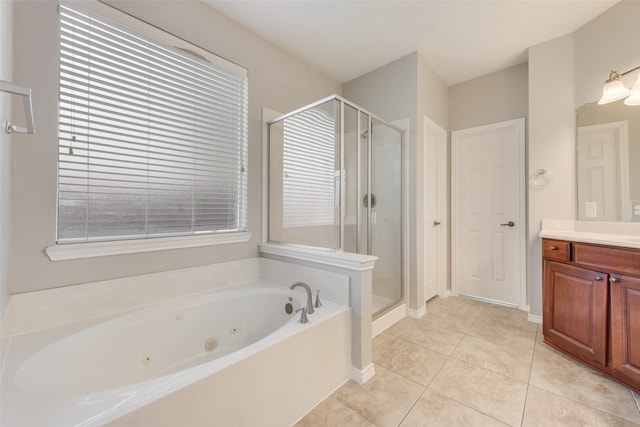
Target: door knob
509,224
436,223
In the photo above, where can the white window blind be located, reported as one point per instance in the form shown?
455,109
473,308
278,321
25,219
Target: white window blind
309,169
152,138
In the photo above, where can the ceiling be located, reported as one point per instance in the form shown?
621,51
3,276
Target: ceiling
460,39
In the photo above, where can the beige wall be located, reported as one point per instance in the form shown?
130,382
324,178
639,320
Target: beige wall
433,95
551,146
276,80
496,97
389,91
6,64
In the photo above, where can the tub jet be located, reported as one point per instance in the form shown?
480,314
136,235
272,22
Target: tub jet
211,344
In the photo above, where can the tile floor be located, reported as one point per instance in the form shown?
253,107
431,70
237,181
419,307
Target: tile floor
470,363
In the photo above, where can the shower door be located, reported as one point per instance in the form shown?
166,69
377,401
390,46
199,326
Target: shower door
385,218
373,201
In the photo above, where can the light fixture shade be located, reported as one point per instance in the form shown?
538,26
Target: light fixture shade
613,90
634,99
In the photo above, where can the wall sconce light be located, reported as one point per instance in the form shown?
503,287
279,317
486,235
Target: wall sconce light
614,90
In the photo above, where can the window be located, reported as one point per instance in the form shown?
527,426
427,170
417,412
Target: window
152,134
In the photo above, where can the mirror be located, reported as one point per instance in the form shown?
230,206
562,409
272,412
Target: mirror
608,162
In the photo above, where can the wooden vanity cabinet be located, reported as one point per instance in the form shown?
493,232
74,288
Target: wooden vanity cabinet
625,326
591,306
575,311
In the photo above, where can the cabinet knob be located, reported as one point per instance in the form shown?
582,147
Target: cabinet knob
598,278
612,280
553,248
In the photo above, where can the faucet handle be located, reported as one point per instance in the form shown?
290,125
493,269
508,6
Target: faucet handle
318,302
303,316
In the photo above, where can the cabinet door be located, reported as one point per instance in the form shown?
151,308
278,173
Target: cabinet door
575,311
625,326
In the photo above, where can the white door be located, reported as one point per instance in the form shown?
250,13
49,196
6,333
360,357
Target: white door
603,188
435,219
488,230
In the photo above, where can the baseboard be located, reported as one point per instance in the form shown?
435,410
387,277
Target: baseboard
534,318
361,376
417,314
445,294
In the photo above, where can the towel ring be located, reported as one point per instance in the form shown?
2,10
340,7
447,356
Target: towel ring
542,178
25,94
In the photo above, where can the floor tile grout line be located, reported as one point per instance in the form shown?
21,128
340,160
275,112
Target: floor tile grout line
466,334
593,408
526,395
346,404
524,405
572,399
420,345
525,399
533,356
412,406
519,328
636,399
465,405
400,375
452,356
426,387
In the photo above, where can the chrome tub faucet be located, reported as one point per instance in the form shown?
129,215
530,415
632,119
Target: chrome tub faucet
309,296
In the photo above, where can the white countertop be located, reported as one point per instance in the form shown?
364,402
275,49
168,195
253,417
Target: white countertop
603,233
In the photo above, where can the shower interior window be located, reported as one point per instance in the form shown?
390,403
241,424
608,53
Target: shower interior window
308,168
152,132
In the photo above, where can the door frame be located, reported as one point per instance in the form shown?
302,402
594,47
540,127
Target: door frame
442,273
520,125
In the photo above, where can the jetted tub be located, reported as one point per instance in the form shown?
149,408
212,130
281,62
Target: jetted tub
234,355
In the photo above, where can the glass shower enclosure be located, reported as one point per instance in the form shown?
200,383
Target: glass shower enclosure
335,182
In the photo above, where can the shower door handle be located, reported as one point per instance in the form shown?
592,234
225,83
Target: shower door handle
374,200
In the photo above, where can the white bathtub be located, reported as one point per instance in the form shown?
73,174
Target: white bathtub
212,359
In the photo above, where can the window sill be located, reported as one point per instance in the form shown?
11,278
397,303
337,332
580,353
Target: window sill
120,247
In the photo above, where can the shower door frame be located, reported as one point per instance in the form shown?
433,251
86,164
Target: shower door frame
341,234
